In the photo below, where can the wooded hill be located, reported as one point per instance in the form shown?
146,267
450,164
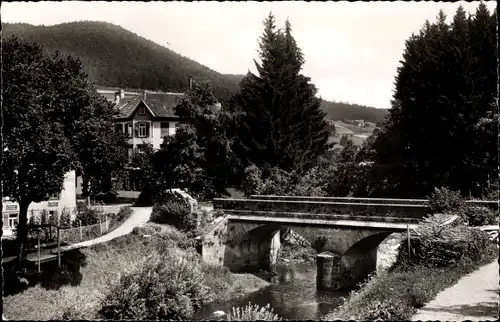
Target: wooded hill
116,57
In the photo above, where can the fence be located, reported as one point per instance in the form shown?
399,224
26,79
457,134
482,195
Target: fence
83,233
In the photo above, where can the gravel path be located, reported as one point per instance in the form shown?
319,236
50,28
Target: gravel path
139,216
474,298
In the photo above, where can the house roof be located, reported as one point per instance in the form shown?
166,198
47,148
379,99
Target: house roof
160,104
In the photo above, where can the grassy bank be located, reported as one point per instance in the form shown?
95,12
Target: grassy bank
80,295
397,293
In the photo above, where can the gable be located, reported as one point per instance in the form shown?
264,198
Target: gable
142,112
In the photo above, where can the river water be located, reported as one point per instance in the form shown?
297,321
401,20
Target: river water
294,300
299,299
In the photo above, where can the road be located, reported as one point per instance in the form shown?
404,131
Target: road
139,216
474,298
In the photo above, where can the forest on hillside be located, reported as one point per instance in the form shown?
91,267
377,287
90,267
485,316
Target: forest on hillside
116,57
345,111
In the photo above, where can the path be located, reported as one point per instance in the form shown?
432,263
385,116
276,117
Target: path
139,216
474,298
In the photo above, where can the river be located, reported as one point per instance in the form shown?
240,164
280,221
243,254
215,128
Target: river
294,300
299,299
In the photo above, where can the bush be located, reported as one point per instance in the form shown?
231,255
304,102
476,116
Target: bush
176,212
65,220
480,216
252,181
87,216
445,200
252,313
446,247
162,287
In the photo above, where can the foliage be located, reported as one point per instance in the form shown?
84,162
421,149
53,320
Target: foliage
480,216
441,132
345,111
443,246
395,295
252,312
199,156
282,124
176,212
86,215
65,220
37,152
54,122
276,181
445,200
124,68
150,291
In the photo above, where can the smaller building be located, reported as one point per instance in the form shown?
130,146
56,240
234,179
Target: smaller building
57,203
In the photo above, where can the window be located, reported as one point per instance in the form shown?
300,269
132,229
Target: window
55,196
128,130
164,129
141,111
5,220
13,220
143,129
119,127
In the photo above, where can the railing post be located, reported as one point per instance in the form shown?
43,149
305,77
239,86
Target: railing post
409,246
58,248
100,224
107,223
38,251
80,224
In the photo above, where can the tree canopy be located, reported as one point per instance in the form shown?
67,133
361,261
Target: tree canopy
443,126
282,124
53,123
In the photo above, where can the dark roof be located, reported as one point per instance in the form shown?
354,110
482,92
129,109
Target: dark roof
160,104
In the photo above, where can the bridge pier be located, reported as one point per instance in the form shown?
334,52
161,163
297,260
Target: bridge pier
336,272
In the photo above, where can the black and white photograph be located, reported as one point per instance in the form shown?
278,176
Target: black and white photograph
250,161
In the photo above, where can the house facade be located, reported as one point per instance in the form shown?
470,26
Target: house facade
64,200
145,117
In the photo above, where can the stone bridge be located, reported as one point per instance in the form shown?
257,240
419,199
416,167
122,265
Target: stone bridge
346,233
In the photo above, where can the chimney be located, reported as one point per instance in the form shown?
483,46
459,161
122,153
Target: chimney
117,98
190,82
122,93
144,96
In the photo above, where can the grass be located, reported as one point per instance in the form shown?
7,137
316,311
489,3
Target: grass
397,293
103,265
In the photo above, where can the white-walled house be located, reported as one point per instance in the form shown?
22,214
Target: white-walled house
66,199
145,117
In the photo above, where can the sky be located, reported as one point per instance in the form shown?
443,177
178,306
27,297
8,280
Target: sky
352,49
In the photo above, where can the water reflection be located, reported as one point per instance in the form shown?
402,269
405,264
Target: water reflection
297,300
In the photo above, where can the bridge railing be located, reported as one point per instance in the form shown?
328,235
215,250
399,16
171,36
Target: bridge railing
484,203
273,207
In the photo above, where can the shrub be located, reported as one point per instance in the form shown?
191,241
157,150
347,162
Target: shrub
446,247
161,287
252,313
176,212
480,216
218,278
44,217
252,181
87,216
33,219
65,220
445,200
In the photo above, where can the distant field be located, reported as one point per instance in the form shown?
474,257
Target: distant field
356,129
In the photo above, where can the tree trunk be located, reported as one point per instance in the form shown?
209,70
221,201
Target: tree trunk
22,232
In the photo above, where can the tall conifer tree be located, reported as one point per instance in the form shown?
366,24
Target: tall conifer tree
282,123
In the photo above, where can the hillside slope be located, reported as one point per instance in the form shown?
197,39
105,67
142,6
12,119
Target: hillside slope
116,57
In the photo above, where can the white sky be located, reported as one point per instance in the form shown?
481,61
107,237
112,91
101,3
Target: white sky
352,50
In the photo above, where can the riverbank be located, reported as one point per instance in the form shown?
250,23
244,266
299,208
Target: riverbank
76,291
397,293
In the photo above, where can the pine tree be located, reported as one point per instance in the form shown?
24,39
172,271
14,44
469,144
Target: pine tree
440,129
282,125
